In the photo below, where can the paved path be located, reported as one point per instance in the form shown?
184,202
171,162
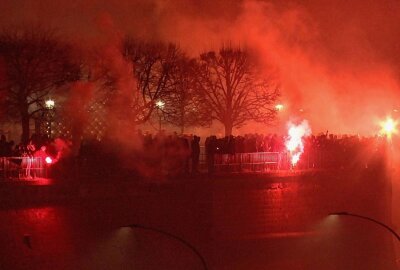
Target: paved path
252,223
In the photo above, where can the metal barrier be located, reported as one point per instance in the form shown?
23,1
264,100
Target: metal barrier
22,168
259,161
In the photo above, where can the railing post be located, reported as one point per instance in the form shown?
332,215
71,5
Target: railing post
2,166
240,162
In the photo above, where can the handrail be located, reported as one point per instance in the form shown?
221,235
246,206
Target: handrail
22,167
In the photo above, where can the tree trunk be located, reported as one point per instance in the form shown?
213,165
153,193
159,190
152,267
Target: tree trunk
228,128
25,127
182,119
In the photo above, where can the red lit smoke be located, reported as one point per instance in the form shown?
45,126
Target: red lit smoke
120,122
337,60
76,109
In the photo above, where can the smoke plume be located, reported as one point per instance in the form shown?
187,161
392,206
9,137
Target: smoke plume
337,61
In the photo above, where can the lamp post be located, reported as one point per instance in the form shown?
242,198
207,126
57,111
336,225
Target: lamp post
49,104
160,106
170,235
368,219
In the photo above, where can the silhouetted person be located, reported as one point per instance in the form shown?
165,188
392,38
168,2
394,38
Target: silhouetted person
3,145
40,161
195,154
211,145
30,150
185,152
9,149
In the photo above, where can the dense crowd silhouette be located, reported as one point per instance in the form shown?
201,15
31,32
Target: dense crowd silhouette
174,155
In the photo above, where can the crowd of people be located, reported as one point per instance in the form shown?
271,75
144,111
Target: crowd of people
145,153
173,154
320,151
10,149
28,160
249,143
6,147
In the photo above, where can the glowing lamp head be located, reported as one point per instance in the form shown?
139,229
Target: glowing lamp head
279,107
48,160
50,104
160,104
388,127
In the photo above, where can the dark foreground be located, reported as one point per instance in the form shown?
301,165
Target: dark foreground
241,222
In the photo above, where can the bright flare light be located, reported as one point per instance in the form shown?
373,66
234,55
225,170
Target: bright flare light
49,160
279,107
294,143
388,127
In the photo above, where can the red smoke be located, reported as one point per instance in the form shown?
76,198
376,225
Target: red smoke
337,60
76,109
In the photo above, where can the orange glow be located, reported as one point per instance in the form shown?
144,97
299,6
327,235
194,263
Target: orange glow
388,127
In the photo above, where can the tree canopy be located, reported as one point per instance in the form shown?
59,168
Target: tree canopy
235,89
35,64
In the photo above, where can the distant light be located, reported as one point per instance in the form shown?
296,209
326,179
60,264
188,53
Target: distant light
388,127
50,104
301,110
124,230
49,160
279,107
160,104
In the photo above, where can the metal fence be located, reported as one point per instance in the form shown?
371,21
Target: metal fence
22,168
35,167
260,161
309,160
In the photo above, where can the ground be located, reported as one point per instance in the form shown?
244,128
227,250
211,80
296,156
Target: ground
235,222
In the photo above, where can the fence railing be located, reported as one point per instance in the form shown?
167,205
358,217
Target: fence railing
259,161
35,167
309,160
22,168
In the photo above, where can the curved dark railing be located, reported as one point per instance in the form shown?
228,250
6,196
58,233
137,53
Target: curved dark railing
369,219
183,241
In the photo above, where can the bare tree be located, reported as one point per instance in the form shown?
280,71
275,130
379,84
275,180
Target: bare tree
183,106
153,65
233,87
35,63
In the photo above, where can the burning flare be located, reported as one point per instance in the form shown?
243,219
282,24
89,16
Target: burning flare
49,160
294,143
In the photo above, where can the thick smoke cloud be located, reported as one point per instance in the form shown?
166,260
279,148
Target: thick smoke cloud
342,83
337,61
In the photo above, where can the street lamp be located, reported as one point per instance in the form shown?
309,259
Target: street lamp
368,219
279,107
160,106
170,235
388,127
50,105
